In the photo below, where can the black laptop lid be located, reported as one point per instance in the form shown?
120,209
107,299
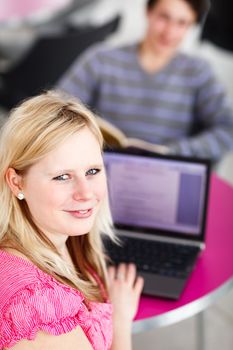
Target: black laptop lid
157,194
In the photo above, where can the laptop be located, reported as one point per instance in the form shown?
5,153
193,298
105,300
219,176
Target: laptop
159,206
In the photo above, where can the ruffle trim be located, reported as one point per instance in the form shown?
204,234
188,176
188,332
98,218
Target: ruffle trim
41,307
55,309
56,328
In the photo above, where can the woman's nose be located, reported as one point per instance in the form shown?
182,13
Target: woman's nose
82,190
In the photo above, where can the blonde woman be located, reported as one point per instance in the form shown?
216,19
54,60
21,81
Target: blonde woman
55,290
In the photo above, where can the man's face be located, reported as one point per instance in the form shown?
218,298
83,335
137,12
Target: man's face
168,23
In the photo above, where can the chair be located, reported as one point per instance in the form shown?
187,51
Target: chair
218,27
47,60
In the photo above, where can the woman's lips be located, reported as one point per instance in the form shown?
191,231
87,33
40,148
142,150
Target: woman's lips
81,214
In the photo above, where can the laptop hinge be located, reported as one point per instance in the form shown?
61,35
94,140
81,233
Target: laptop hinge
151,237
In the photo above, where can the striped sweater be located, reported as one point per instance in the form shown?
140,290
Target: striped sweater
165,107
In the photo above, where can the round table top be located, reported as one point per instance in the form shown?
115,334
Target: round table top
213,272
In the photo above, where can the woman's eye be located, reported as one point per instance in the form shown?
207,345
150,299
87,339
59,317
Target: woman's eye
92,171
62,177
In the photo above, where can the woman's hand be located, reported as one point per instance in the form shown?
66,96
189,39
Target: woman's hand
124,292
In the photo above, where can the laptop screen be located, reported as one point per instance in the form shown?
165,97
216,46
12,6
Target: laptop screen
150,192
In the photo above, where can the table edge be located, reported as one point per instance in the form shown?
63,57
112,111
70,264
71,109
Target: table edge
182,312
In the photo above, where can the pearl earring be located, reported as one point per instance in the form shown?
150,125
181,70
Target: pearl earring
20,196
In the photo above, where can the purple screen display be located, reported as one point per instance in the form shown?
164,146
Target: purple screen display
156,193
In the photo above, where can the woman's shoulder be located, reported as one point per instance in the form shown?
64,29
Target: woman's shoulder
24,285
15,274
18,275
32,300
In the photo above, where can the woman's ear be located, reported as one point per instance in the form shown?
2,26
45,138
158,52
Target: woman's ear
14,181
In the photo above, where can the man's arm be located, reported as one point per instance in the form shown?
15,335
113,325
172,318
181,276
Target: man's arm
213,112
81,78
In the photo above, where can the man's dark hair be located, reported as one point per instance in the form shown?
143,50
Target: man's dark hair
200,7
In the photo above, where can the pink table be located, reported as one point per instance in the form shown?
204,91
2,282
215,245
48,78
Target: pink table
213,274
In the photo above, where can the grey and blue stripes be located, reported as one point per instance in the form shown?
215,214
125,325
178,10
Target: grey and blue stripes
161,108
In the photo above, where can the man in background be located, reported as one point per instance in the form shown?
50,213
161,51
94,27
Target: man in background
151,90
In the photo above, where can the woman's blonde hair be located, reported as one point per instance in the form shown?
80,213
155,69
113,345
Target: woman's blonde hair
34,129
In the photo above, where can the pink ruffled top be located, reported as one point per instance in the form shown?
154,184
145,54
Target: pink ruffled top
31,300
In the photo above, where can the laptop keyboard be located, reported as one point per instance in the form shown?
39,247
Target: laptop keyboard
164,259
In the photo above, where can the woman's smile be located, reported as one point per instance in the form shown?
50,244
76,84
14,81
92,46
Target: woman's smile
81,214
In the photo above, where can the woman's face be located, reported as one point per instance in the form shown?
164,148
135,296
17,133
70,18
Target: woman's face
168,23
64,190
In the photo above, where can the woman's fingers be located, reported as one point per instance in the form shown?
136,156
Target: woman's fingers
139,285
124,291
111,273
121,273
127,273
131,273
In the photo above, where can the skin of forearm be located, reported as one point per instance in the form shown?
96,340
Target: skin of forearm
122,338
